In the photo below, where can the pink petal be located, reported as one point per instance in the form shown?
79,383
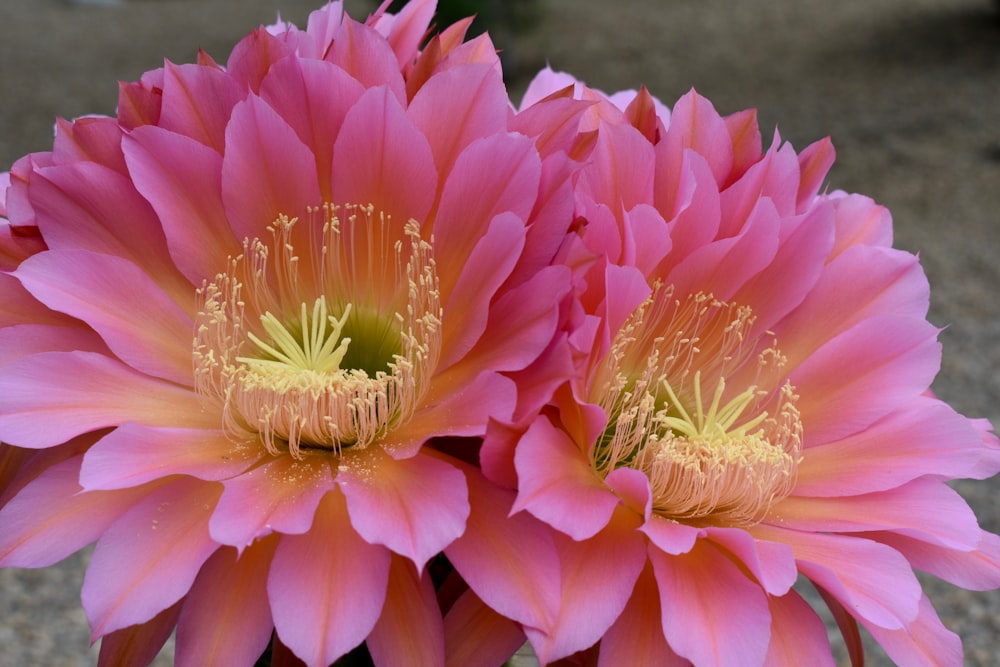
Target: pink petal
775,178
474,195
313,96
48,398
669,536
410,629
598,576
977,569
712,613
798,635
266,171
468,306
924,509
924,643
226,619
366,56
141,324
695,124
89,139
138,644
688,196
149,557
50,518
771,563
814,164
24,340
637,638
416,507
860,221
557,485
381,158
327,586
133,454
253,56
182,180
493,553
620,171
475,106
409,28
197,101
475,634
924,437
871,580
891,360
279,496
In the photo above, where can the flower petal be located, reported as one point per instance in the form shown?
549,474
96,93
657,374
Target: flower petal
70,393
134,454
280,496
147,560
410,629
197,101
226,619
138,644
327,586
926,642
475,634
141,324
712,613
416,507
798,635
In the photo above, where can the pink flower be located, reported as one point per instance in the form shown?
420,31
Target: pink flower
751,405
240,323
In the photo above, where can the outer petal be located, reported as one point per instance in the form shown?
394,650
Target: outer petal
226,619
924,643
368,57
476,635
197,101
134,454
138,644
280,496
798,635
62,388
557,485
416,507
141,324
410,629
49,518
327,586
148,559
712,613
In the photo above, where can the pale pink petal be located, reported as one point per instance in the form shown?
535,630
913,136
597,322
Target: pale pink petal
147,560
327,586
745,134
138,644
134,454
637,638
313,96
798,635
774,178
687,196
977,569
669,536
468,306
409,28
226,619
815,161
647,239
494,554
896,358
18,307
410,629
415,507
476,108
380,158
89,139
48,398
472,196
367,57
253,56
871,580
140,324
771,563
860,221
24,340
557,485
695,124
266,171
280,496
474,634
925,436
182,180
925,509
50,518
598,576
712,613
926,642
197,101
620,170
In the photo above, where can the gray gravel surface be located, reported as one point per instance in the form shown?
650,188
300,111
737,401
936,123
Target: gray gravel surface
909,90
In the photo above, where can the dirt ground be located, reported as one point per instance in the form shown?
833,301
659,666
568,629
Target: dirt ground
909,91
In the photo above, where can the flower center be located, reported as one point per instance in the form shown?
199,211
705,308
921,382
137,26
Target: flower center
325,354
713,454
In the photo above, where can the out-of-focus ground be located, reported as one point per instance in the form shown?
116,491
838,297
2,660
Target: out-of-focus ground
909,90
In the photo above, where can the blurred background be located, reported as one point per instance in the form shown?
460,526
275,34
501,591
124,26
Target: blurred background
909,91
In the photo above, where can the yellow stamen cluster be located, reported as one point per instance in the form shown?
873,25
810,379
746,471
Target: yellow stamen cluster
724,460
287,372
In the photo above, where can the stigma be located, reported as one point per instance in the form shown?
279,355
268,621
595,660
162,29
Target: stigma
700,407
